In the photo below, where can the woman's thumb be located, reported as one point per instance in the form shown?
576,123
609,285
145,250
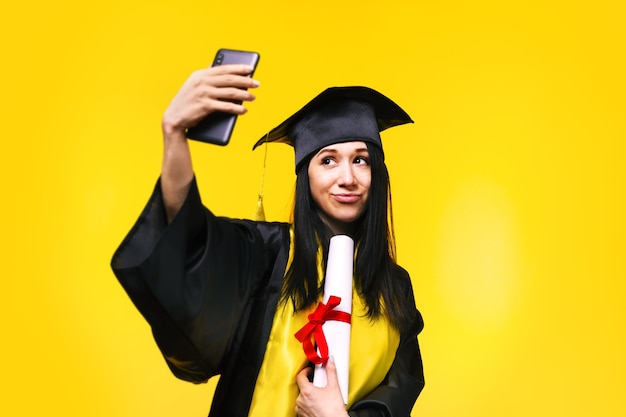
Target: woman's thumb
331,372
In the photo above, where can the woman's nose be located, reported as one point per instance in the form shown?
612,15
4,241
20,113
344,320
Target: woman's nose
346,175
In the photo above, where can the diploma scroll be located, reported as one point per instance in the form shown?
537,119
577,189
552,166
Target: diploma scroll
338,283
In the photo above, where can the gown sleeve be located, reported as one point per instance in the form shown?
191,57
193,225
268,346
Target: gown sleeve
397,394
192,280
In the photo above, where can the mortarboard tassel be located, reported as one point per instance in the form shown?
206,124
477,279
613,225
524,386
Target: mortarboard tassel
259,214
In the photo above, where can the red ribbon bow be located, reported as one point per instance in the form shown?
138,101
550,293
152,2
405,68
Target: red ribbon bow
312,331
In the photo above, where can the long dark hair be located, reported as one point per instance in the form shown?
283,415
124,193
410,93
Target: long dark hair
377,276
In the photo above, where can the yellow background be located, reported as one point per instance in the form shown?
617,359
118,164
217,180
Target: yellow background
509,189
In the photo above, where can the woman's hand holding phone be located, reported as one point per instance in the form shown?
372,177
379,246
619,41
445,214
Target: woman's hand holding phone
218,126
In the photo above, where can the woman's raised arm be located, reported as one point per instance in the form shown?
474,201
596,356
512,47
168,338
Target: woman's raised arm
204,92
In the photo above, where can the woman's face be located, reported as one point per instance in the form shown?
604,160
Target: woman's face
339,178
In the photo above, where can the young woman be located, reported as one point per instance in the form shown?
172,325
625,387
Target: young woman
226,296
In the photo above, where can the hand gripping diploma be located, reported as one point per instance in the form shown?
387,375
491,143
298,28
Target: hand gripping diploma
320,401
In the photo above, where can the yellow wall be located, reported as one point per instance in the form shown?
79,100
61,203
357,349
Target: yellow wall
509,189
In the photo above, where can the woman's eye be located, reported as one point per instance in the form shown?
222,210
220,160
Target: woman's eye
326,161
361,160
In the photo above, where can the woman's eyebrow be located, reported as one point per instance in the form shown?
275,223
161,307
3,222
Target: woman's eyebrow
334,151
324,151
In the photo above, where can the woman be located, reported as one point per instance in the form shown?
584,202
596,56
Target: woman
226,296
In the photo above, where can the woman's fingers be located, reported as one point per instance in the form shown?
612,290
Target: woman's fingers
224,94
227,83
230,76
332,380
221,88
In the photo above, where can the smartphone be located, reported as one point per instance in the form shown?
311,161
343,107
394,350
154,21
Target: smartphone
217,127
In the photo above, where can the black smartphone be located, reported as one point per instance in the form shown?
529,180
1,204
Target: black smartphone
217,127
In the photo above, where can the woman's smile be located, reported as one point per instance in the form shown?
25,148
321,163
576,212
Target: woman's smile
347,198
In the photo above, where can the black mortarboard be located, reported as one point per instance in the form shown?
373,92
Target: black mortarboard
338,114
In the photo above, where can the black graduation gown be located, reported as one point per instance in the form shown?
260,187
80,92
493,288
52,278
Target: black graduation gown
209,286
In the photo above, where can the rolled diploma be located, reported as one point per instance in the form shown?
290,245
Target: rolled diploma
338,283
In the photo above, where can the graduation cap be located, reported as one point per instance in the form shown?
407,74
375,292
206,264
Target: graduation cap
338,114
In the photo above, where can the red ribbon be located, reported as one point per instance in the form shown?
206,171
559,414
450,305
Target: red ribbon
312,331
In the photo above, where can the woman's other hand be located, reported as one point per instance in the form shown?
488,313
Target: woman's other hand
320,402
